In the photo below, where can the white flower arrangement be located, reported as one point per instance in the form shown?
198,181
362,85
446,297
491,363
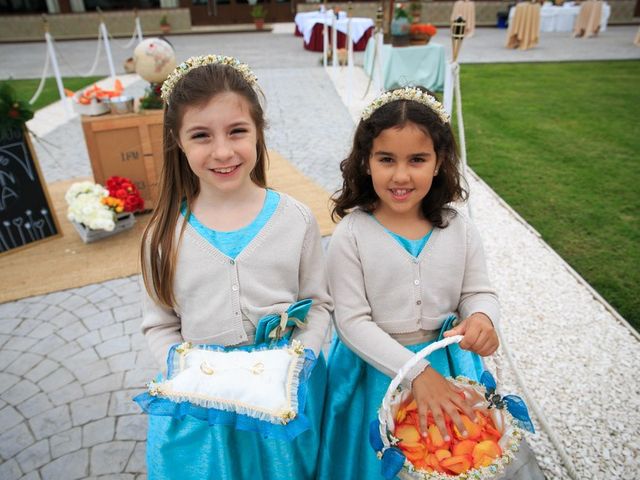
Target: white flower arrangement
86,206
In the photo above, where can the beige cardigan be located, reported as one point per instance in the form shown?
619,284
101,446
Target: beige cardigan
381,290
217,296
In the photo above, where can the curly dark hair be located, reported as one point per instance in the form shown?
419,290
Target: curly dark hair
357,187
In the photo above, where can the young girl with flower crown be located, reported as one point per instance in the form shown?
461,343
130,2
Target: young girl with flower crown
403,264
221,252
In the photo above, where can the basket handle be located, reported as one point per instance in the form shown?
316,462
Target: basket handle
412,362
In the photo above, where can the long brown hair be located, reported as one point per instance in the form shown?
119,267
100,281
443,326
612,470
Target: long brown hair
357,187
178,183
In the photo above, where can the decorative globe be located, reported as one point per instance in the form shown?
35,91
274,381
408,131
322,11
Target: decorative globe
154,59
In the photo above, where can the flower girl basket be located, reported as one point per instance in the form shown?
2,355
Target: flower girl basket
394,463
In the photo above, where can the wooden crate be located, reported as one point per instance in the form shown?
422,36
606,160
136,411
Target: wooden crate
129,146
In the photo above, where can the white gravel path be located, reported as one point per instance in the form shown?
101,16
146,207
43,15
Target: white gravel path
576,357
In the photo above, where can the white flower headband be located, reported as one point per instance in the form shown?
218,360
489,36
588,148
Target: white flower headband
407,93
195,62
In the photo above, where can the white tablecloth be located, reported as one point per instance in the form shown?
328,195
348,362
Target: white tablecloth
562,19
303,18
359,25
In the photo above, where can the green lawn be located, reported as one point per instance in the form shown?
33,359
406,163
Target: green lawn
26,88
560,142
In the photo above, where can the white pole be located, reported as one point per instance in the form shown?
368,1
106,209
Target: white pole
139,29
56,72
325,39
455,71
107,47
379,84
334,42
349,63
447,95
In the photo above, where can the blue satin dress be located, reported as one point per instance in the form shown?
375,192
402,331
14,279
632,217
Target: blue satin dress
190,449
354,394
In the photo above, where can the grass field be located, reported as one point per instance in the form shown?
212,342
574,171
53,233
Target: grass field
560,142
26,88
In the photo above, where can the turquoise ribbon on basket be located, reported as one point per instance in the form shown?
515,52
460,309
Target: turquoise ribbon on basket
514,404
274,327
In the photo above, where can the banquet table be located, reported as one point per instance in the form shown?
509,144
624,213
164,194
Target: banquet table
361,30
422,65
303,18
524,29
467,10
589,21
562,19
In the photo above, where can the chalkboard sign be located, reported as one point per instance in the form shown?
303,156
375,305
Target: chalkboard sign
26,215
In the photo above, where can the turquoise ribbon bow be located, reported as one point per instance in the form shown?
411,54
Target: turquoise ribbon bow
275,327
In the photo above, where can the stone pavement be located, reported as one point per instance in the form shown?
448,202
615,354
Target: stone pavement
71,361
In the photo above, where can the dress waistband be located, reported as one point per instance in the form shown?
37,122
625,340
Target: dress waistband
413,338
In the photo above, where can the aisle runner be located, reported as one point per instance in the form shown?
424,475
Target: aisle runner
66,262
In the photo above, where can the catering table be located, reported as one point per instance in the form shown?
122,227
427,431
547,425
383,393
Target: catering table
524,29
467,10
361,31
422,65
589,21
562,19
302,19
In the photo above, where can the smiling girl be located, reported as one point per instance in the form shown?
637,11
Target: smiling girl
222,251
401,262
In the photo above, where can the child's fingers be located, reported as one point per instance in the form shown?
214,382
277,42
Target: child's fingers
422,419
457,421
464,407
470,338
438,418
459,330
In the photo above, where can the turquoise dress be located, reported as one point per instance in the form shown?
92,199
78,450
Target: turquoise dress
190,449
354,394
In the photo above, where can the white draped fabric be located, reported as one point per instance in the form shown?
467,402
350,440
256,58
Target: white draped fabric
562,19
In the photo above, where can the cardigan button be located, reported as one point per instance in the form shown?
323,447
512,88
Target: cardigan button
416,282
419,302
232,262
234,288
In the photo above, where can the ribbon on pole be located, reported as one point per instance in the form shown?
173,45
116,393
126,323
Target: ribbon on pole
334,41
56,72
107,47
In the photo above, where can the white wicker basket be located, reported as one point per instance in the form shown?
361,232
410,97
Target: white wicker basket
396,396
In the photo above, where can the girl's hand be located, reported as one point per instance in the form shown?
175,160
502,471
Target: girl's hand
479,335
433,393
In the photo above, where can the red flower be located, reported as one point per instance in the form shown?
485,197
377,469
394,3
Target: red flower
125,190
14,113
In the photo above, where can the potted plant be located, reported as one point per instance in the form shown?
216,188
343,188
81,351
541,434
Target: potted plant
97,212
421,33
258,13
165,26
400,26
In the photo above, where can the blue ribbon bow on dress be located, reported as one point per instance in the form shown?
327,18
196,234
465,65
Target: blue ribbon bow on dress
272,328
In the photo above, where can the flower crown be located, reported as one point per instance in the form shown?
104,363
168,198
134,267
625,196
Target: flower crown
195,62
407,93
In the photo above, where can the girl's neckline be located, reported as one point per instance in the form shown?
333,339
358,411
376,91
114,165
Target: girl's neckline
426,251
251,246
399,235
269,195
